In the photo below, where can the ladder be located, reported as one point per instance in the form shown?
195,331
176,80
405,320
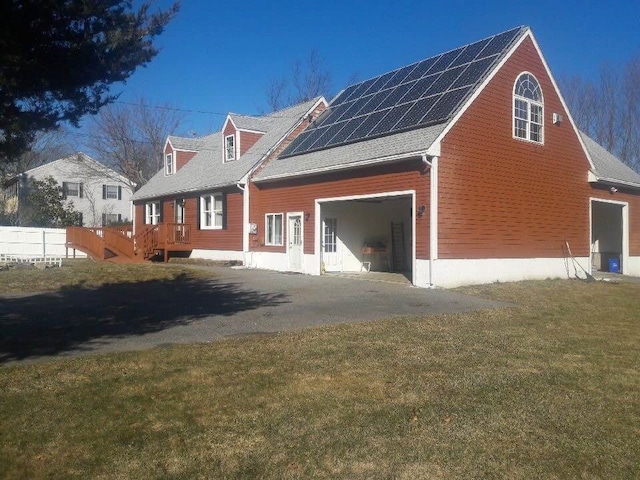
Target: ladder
397,247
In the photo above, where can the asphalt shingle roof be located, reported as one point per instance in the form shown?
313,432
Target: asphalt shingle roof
377,150
206,170
607,166
183,143
246,122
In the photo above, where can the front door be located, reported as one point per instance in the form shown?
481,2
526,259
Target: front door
294,237
330,255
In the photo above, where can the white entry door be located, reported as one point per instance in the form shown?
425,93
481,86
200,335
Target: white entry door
294,237
330,254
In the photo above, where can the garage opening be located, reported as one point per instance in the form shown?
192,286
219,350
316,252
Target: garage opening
368,235
607,236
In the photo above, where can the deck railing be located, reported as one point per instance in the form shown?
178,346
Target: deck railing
88,240
122,242
176,233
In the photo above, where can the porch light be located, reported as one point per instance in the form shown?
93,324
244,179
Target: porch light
307,215
421,210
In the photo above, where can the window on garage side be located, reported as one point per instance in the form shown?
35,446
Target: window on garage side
273,229
528,109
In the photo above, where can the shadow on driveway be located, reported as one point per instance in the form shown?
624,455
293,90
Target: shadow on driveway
75,318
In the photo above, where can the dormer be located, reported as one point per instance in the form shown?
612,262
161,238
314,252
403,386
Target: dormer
177,152
239,134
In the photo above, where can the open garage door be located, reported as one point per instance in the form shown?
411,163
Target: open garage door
368,233
609,236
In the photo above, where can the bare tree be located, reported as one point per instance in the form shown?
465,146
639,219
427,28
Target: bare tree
129,137
308,79
46,147
608,109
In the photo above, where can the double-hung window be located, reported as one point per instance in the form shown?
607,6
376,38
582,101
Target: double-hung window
110,219
229,148
168,164
72,189
273,229
111,192
528,109
211,211
152,213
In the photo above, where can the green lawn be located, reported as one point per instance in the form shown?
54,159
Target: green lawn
547,389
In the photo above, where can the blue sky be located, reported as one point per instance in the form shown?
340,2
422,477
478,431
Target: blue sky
220,56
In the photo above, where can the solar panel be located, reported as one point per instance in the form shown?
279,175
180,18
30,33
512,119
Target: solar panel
471,52
423,93
418,89
390,119
417,111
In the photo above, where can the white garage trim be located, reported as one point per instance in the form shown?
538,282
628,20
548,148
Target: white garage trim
625,232
318,224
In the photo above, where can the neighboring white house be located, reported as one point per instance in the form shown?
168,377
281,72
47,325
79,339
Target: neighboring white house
100,194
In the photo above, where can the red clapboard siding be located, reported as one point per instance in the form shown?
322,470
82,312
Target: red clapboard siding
299,195
502,197
228,238
248,140
182,158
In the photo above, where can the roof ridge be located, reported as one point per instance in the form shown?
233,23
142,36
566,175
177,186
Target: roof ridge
523,28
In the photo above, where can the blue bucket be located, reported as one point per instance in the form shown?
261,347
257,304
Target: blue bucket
614,265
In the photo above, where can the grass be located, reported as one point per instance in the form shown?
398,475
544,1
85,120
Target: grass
87,274
547,389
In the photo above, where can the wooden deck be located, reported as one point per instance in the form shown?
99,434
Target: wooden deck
121,245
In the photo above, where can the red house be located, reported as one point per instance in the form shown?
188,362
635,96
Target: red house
463,168
197,205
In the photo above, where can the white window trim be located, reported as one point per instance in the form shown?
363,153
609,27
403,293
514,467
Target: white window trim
213,226
266,229
171,162
66,191
226,151
529,102
106,192
151,212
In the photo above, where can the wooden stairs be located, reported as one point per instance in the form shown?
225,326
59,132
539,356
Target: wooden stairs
120,245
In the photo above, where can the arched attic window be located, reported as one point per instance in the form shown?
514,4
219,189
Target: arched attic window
528,109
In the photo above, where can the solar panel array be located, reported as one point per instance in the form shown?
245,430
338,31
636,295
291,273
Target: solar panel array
421,94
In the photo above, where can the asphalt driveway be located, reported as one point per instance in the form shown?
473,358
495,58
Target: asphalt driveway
238,302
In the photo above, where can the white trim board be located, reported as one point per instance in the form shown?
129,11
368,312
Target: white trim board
449,273
318,222
625,230
220,255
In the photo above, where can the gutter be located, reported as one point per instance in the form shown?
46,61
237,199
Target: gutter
612,181
361,163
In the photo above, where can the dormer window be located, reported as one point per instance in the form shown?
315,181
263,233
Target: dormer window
168,164
528,109
229,148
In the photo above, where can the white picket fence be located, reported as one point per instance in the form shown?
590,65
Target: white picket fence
35,243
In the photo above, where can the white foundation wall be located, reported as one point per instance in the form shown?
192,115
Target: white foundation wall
220,255
455,273
268,261
633,267
422,274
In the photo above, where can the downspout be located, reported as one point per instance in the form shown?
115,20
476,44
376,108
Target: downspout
433,214
245,220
